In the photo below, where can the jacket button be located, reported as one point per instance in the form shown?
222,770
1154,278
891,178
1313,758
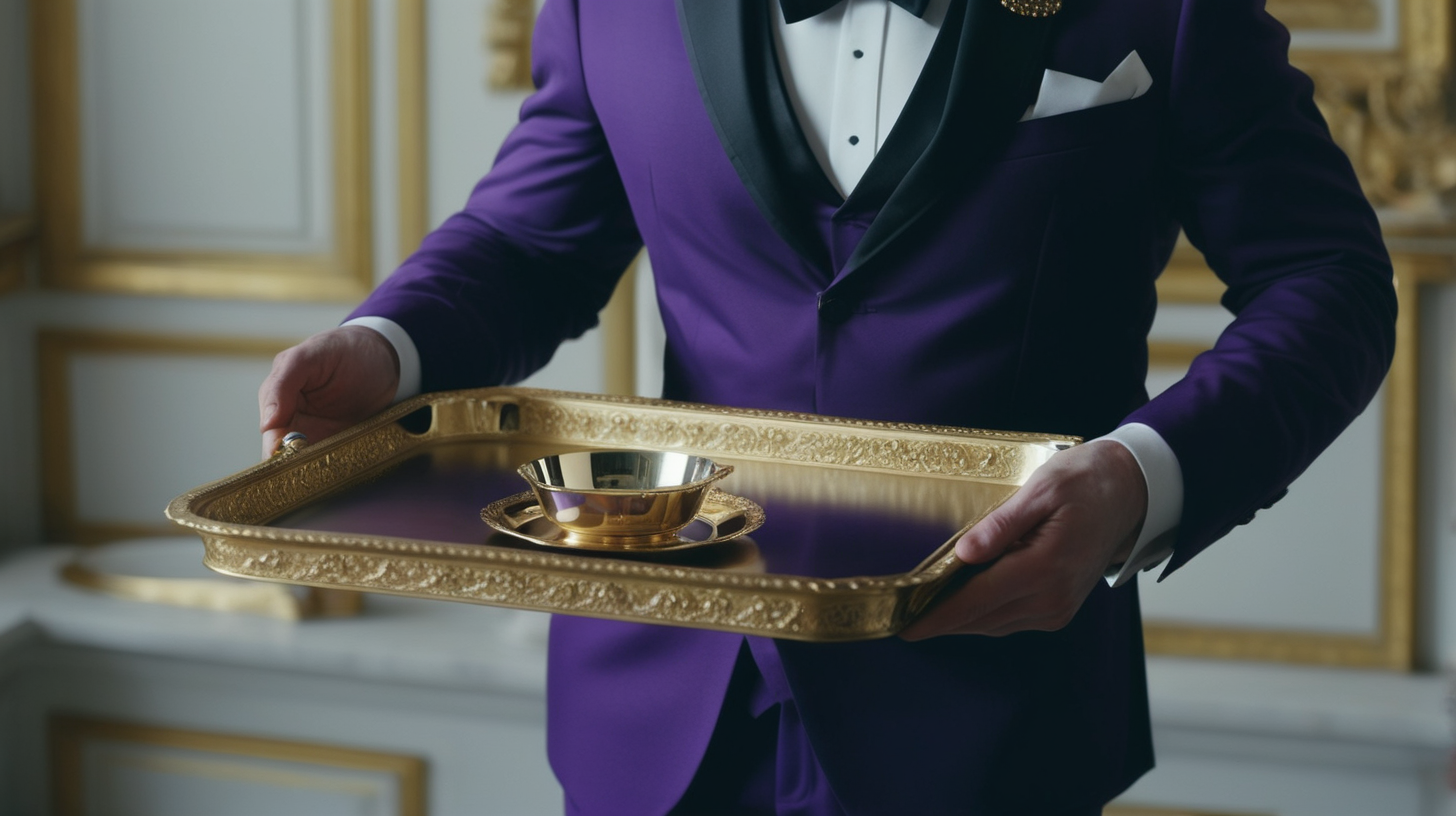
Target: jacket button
834,310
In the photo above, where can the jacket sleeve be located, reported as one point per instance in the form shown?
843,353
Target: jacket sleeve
539,246
1261,189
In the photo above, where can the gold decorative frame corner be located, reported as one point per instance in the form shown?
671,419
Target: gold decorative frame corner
69,736
1389,109
1393,644
345,273
55,348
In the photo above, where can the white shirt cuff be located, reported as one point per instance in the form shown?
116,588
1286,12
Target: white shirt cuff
404,348
1164,477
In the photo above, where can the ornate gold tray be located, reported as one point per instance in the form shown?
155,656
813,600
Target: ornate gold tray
860,516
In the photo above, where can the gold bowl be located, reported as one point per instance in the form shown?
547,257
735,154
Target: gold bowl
626,498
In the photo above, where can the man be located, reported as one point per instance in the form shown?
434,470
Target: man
988,261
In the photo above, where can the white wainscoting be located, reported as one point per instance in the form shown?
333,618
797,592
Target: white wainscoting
1309,563
206,126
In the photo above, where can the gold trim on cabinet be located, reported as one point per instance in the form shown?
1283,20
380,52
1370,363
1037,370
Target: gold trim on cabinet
69,735
67,263
1393,646
413,115
55,348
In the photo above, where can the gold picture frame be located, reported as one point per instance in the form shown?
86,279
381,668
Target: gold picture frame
55,349
344,273
69,736
1393,644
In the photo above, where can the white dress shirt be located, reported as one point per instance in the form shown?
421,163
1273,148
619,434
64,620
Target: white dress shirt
849,72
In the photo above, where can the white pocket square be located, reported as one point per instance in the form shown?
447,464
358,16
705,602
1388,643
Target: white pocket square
1065,93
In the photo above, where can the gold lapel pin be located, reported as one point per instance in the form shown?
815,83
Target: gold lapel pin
1033,8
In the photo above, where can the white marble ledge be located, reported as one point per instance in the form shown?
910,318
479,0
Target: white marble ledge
431,643
1376,708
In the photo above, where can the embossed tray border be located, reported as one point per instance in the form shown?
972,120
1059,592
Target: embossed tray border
229,515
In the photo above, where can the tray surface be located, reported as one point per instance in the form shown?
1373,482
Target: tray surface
859,515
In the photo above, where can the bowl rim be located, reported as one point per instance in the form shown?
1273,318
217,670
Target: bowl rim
719,471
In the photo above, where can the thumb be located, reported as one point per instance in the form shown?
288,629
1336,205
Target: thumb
993,535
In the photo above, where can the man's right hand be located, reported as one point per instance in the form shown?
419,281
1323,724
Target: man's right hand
330,381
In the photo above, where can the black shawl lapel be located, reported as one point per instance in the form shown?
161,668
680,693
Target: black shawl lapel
995,77
731,49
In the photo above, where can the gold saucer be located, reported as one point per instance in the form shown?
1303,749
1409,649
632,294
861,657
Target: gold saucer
724,515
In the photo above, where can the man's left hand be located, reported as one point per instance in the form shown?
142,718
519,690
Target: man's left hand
1046,547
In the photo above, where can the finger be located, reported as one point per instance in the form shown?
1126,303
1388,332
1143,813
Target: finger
279,393
313,428
271,439
1001,585
1028,587
992,536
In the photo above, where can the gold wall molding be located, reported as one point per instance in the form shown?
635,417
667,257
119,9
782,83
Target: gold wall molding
17,233
56,349
70,736
412,70
509,24
345,273
1393,645
1327,15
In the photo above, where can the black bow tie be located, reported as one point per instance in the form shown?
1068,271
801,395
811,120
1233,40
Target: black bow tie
796,10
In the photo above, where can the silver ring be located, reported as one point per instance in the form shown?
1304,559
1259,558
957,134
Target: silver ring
292,441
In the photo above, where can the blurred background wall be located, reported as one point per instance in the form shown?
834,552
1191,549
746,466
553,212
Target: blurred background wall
189,186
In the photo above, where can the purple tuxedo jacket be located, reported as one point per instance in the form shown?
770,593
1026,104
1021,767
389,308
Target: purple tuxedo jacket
995,274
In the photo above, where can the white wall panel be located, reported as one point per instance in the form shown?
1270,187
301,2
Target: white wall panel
1263,785
468,121
147,427
650,336
122,779
1310,563
1384,37
15,173
1437,573
205,125
467,124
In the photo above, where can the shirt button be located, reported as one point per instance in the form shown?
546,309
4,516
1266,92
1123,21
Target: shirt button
854,140
858,54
